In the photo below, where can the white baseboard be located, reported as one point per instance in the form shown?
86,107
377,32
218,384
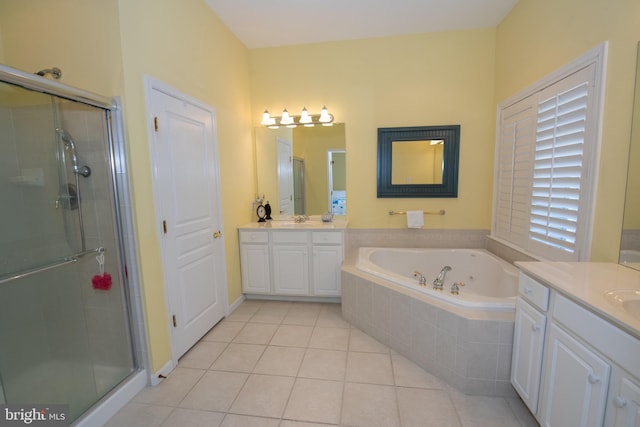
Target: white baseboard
235,304
156,378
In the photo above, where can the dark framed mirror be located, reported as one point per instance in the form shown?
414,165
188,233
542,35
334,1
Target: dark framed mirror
419,161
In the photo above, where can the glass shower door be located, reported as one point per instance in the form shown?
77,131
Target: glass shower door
65,335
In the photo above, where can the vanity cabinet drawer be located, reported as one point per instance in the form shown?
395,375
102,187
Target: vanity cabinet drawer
290,237
254,237
533,291
326,237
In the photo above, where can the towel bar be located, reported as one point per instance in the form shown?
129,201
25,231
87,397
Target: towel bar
440,212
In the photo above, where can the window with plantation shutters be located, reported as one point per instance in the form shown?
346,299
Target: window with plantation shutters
544,168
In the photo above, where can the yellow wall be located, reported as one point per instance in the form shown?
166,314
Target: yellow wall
106,47
186,46
430,79
540,36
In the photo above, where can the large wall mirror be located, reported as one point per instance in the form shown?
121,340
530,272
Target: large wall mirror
418,161
630,241
301,170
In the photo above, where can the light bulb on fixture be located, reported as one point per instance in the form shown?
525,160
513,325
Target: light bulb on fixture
267,120
286,119
325,117
305,118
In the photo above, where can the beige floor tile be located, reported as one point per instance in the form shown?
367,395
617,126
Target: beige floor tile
408,374
224,331
291,423
331,319
480,411
215,391
522,412
369,405
359,341
315,400
329,338
202,355
426,408
263,396
171,390
270,314
292,335
193,418
232,420
371,368
255,333
140,415
280,361
324,364
301,317
243,313
239,358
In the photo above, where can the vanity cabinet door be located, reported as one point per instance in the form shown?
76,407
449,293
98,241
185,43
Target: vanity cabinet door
625,402
526,363
291,269
254,261
327,261
576,382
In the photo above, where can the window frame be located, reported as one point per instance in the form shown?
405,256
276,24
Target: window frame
528,98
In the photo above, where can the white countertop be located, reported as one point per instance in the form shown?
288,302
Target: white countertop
312,223
587,283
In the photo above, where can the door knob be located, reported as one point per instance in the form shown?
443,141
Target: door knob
217,234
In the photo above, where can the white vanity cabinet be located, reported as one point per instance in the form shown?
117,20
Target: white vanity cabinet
327,260
290,262
254,257
293,263
580,369
624,402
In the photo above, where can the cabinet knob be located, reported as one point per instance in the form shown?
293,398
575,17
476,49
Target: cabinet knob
619,402
528,290
593,379
535,327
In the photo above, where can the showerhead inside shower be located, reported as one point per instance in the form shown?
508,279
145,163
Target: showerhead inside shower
70,146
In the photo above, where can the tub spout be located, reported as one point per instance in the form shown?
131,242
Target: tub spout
438,283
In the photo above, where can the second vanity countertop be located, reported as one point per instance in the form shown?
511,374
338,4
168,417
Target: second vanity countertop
313,223
588,283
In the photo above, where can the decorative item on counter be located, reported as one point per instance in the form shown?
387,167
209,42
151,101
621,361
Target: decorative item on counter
267,208
327,217
261,212
103,280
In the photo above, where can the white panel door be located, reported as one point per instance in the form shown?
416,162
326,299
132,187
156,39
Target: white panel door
627,404
526,364
576,383
285,176
188,199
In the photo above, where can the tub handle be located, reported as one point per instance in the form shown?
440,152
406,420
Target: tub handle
455,290
422,281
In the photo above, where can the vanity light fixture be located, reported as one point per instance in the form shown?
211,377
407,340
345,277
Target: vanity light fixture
305,118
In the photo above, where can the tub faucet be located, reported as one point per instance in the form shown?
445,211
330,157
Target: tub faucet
455,288
422,281
439,281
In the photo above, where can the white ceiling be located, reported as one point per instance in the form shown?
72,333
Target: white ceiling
270,23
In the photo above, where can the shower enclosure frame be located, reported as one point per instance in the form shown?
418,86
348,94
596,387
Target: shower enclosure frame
117,398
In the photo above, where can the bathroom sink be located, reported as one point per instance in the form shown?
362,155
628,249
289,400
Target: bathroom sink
627,299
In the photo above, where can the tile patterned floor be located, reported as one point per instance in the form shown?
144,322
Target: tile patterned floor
289,364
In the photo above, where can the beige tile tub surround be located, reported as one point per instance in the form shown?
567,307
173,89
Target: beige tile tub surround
471,351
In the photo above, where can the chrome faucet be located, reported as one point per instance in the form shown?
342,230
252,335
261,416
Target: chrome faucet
438,283
422,281
455,288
